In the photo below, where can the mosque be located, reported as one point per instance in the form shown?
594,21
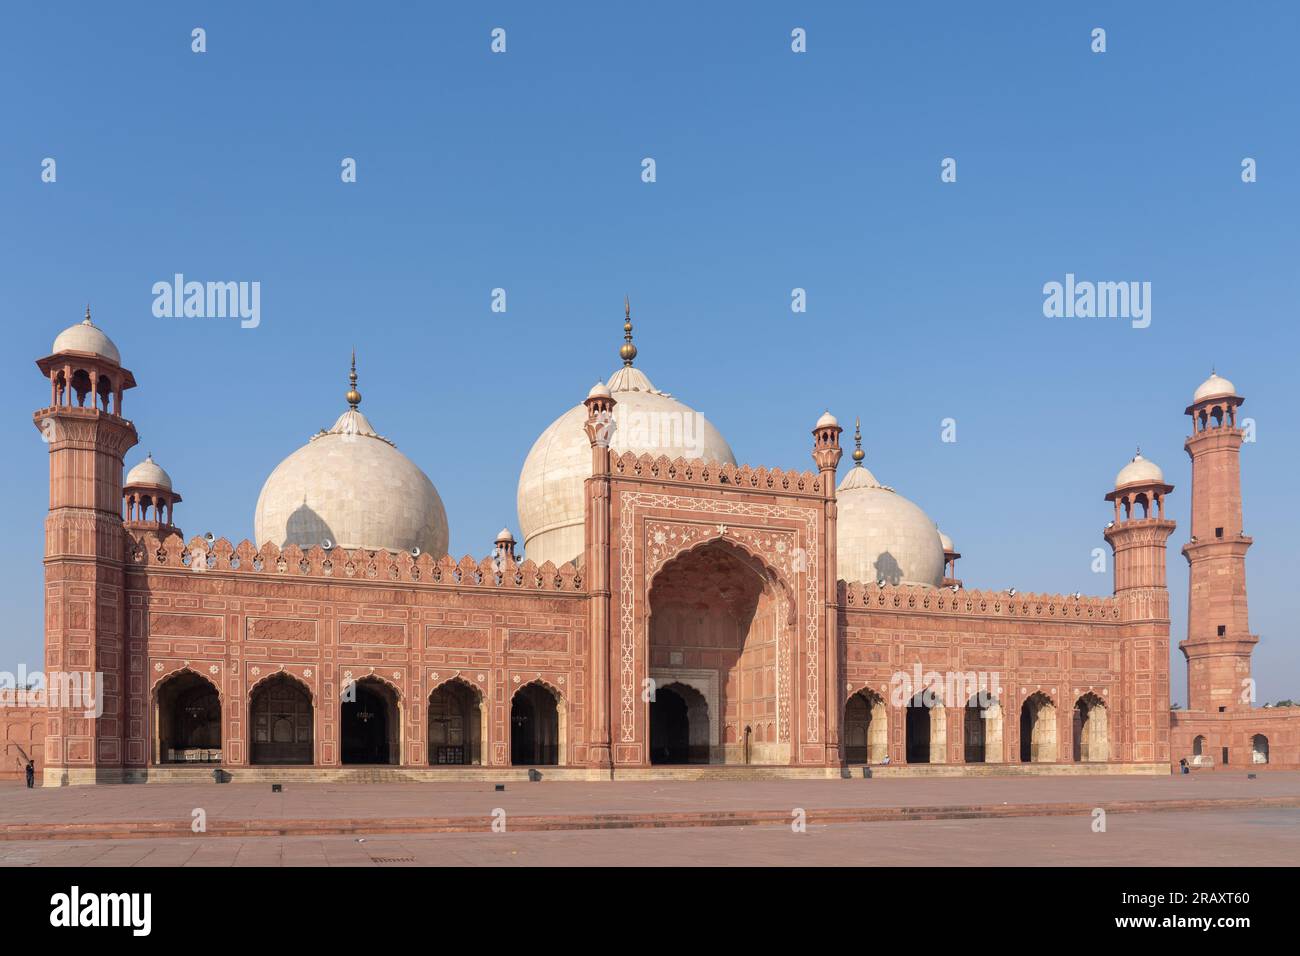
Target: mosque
672,613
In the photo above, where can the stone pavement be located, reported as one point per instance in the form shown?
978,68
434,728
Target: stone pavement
1217,838
324,801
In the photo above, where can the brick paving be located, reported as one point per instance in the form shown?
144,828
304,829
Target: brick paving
1217,838
324,801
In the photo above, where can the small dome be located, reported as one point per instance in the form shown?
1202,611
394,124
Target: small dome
1139,471
946,543
86,337
504,535
599,390
354,488
827,420
148,472
880,535
1216,386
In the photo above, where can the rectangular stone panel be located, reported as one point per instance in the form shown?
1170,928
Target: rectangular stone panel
185,625
356,632
281,629
457,637
556,641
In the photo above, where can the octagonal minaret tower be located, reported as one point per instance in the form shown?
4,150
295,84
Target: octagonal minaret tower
85,541
1219,643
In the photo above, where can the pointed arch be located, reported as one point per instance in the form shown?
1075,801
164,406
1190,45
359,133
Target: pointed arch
457,723
187,709
282,719
866,727
1091,737
538,724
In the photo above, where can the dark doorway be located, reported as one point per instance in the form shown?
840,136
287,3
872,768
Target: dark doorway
534,727
918,731
189,720
670,728
369,723
281,714
974,731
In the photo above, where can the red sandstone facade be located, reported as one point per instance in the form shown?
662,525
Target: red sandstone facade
713,585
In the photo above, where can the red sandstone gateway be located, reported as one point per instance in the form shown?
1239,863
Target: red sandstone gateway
671,611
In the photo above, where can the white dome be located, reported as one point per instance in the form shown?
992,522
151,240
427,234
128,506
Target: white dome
827,420
882,535
351,487
1216,386
645,421
1139,471
945,542
148,472
85,337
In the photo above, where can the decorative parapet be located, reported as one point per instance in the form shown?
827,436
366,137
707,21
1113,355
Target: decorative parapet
696,471
857,595
149,552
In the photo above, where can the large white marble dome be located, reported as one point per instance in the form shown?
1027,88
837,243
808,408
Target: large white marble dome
645,421
881,536
352,487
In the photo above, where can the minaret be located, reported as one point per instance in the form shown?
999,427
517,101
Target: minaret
1139,535
600,419
84,549
1219,642
827,453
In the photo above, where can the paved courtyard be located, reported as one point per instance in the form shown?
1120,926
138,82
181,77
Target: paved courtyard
1218,838
1218,831
151,802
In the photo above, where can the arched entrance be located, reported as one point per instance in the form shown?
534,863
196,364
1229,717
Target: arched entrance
679,725
926,729
280,712
1038,729
718,618
455,725
536,727
369,723
982,729
187,718
1259,749
866,728
1091,743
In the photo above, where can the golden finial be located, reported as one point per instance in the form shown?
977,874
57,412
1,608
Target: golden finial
353,396
858,453
628,351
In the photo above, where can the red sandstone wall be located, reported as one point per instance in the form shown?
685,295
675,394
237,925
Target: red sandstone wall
237,627
24,739
1054,644
1236,731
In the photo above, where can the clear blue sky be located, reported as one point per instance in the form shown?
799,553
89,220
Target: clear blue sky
775,171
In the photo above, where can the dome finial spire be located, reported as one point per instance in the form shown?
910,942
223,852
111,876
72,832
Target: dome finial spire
87,321
628,350
858,453
353,396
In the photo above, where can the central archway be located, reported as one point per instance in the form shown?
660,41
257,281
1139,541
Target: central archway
369,724
717,619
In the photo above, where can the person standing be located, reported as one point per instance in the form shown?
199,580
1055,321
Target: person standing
31,775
